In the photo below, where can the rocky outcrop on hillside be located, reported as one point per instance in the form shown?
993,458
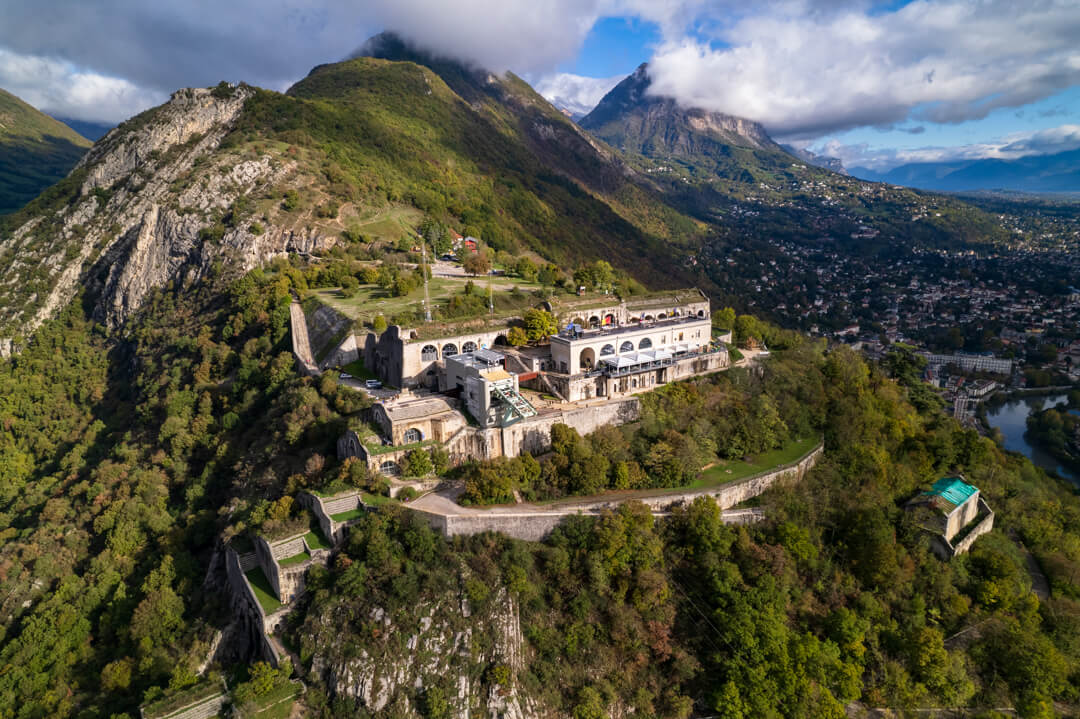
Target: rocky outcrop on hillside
387,662
631,117
154,204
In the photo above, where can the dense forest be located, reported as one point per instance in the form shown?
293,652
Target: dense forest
125,459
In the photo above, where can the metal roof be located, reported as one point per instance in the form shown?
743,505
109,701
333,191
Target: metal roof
953,490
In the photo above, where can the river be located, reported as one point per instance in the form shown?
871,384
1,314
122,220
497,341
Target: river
1011,419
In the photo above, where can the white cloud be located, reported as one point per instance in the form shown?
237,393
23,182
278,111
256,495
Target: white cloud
1010,147
576,93
805,73
61,90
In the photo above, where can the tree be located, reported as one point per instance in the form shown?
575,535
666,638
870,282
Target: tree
517,337
724,319
349,286
549,274
526,269
379,324
417,464
539,324
476,264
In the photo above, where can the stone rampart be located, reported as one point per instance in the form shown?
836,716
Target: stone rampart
288,547
301,345
534,434
202,709
533,522
985,525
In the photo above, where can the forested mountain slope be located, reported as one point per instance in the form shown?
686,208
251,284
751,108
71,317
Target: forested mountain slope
240,175
35,151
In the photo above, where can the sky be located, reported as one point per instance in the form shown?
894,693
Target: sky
874,82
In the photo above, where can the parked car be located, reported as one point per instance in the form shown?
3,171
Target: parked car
373,384
345,375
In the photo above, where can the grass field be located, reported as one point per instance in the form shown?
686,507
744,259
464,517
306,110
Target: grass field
730,470
358,370
263,591
346,516
295,559
387,224
316,540
372,300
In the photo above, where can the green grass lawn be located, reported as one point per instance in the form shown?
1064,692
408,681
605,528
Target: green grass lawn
346,516
168,704
316,540
730,470
376,500
264,592
372,300
294,560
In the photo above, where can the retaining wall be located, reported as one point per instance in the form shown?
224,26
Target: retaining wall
202,709
534,525
985,525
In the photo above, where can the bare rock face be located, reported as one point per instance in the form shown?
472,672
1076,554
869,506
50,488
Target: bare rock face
149,191
444,645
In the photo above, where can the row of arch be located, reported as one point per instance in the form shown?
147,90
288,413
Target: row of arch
609,319
430,353
588,355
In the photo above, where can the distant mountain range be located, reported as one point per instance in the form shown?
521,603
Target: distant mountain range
1041,173
35,151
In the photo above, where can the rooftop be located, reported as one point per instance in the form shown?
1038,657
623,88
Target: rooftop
948,493
402,410
578,334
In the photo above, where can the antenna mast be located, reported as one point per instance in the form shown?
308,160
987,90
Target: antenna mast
424,269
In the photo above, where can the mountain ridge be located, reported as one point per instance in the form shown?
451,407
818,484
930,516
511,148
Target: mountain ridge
1057,172
36,151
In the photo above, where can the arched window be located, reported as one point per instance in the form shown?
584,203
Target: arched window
661,316
500,341
579,322
390,467
594,322
587,359
449,349
701,313
413,435
649,318
645,344
468,347
429,353
627,346
609,319
607,350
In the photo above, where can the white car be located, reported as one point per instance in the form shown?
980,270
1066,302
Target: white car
373,384
345,375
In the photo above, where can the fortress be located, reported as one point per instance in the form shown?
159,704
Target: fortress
466,388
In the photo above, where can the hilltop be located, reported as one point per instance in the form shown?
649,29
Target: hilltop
35,151
241,175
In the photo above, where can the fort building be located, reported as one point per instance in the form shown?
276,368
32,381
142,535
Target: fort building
955,514
466,388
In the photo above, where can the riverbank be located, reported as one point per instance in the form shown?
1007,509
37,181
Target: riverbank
1009,418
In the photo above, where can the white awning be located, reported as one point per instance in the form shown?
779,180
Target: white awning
661,355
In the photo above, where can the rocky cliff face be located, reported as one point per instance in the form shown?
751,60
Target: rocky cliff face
632,118
149,204
472,660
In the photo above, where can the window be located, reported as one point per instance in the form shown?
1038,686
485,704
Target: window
468,347
594,322
701,313
390,467
627,346
413,435
429,353
645,344
607,350
449,349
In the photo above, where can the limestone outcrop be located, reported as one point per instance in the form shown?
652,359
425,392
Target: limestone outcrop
154,204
